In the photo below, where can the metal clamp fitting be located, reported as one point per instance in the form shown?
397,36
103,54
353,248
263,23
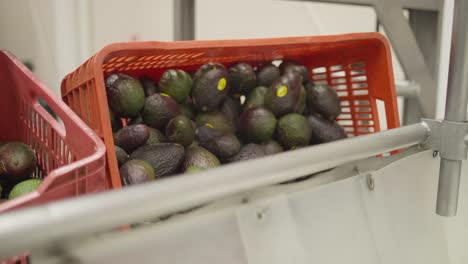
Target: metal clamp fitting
448,138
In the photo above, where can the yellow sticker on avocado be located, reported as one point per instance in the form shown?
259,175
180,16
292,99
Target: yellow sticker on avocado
222,84
281,91
164,94
209,125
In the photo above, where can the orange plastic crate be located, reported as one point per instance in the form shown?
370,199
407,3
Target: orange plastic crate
70,156
358,66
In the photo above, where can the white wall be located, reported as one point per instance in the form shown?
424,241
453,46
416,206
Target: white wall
122,20
58,35
26,30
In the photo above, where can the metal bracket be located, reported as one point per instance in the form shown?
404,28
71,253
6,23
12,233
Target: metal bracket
448,138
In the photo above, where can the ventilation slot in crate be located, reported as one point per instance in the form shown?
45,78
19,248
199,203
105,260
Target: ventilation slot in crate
350,83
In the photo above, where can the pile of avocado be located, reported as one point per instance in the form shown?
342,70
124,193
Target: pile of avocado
184,123
18,162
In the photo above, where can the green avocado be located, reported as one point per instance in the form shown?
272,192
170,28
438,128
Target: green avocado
284,95
301,104
177,84
180,130
231,108
267,74
17,161
272,147
155,136
216,120
24,187
256,98
324,131
223,145
165,158
193,169
125,94
136,172
293,131
257,125
158,110
187,111
242,78
249,151
131,137
323,100
210,89
199,157
149,85
204,68
292,66
121,155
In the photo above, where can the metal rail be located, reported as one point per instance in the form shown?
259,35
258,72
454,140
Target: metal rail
184,19
432,5
455,109
55,222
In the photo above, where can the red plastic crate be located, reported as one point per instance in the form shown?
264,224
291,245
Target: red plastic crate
70,156
358,66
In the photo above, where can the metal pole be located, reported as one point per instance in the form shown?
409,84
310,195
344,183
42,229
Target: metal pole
184,19
455,109
73,218
407,89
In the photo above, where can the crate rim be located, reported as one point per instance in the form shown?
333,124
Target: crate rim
100,56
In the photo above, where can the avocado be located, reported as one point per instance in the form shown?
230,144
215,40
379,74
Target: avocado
131,137
284,94
158,110
257,125
165,158
121,155
176,83
272,147
231,108
249,151
149,85
216,120
301,104
293,131
292,66
324,131
116,122
223,145
193,169
323,100
199,157
155,136
286,63
210,88
126,95
136,172
267,74
17,161
256,98
242,78
187,111
204,68
135,121
180,130
24,187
